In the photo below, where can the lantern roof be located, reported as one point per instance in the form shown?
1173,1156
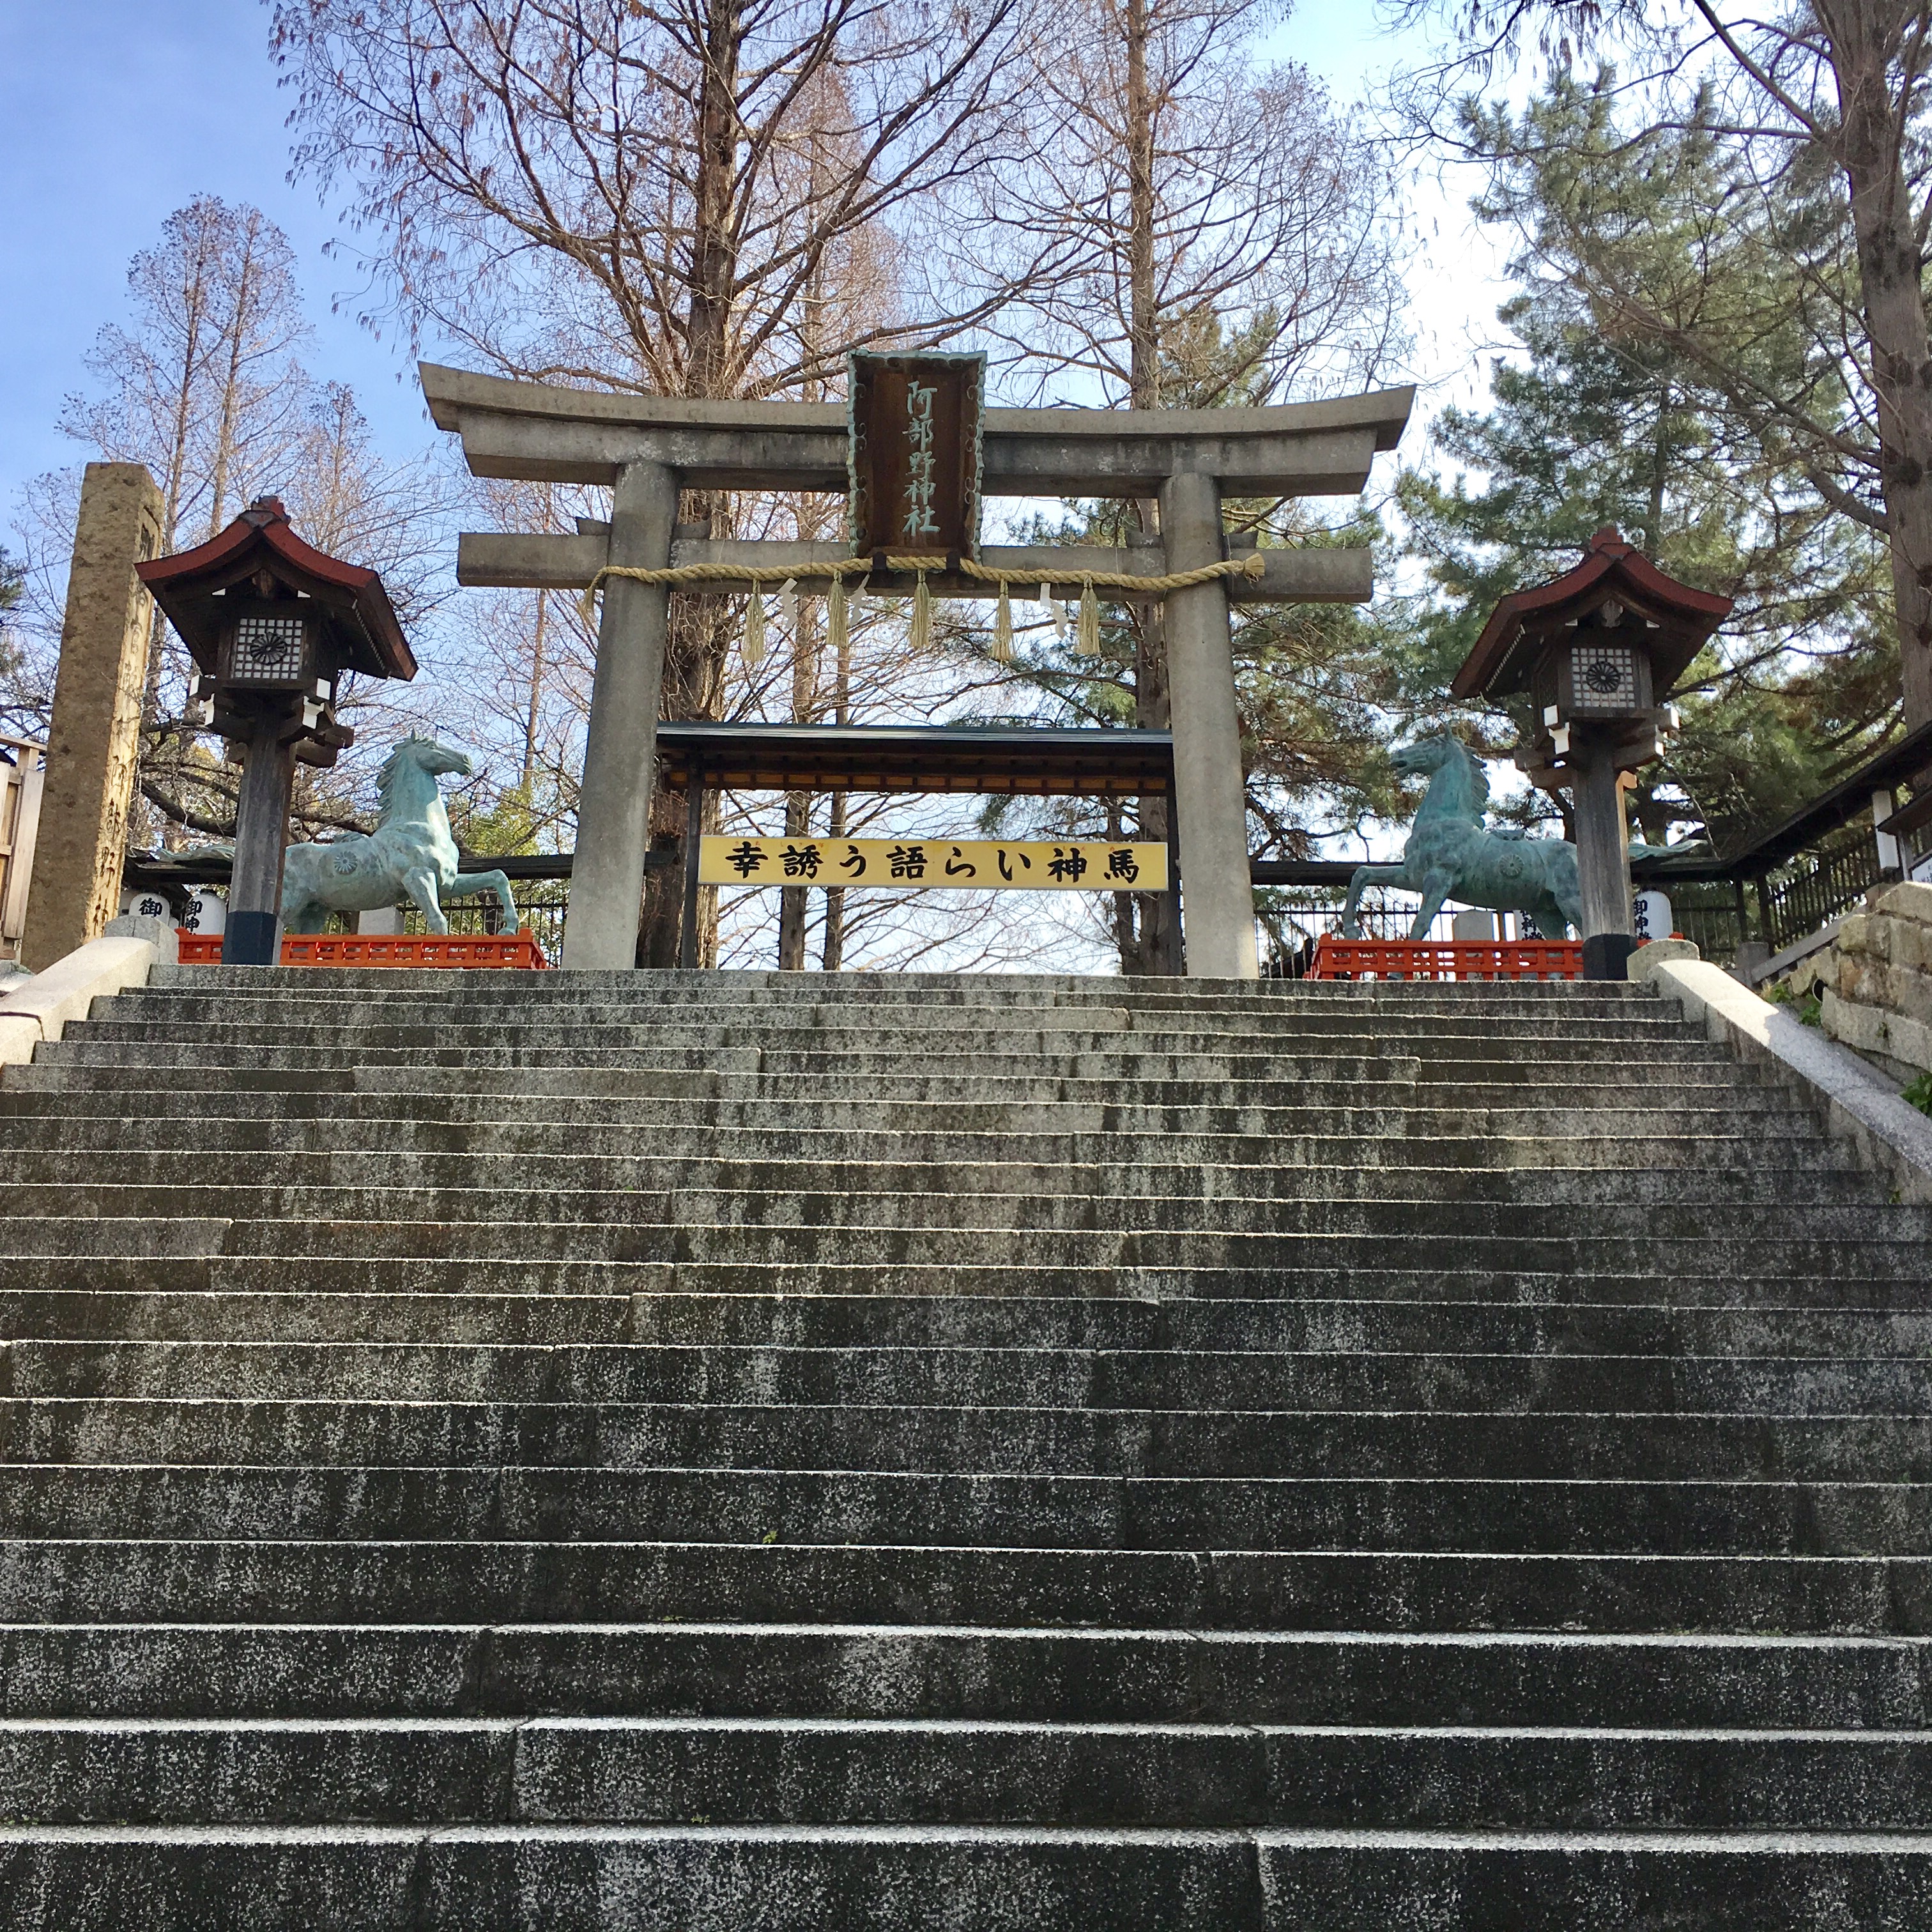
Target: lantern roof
258,554
1614,580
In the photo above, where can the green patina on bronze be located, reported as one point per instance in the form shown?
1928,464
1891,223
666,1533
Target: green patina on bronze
1451,854
411,855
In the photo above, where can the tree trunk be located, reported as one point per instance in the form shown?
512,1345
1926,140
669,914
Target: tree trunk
529,780
798,804
1148,927
699,631
832,956
1865,34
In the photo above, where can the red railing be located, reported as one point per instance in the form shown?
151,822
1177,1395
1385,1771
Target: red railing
373,949
1339,959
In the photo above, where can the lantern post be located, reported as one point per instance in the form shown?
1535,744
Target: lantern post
1598,649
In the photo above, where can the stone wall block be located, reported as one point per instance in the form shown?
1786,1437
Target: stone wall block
1909,993
1869,1029
1911,899
1853,935
1863,1028
1911,945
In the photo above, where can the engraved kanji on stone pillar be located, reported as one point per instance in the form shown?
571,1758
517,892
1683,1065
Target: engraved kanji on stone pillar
93,740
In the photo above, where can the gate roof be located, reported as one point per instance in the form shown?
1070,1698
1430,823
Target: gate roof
1027,761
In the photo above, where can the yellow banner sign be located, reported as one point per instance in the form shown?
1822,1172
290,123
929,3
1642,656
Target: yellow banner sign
986,864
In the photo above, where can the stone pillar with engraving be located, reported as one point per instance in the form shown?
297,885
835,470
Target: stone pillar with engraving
93,740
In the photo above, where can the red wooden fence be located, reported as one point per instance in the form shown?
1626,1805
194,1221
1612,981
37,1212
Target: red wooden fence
374,949
1339,959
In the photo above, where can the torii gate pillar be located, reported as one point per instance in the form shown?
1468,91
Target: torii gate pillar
614,806
1210,779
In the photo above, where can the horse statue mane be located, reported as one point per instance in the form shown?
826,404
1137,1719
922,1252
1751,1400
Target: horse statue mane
1478,770
411,855
1452,854
404,752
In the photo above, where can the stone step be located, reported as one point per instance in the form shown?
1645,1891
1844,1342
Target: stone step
1643,1174
924,1879
1656,1445
960,1377
32,1092
197,1266
975,1254
710,988
1795,1144
1385,1323
1196,1101
1293,1512
1044,1032
982,1073
857,1670
262,1581
1391,1207
858,1772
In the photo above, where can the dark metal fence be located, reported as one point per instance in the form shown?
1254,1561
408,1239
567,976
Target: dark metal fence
541,914
1819,884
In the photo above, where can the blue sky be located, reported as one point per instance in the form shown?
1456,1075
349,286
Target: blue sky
115,112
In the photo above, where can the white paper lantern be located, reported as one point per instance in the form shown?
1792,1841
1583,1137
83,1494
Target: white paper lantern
1650,915
206,912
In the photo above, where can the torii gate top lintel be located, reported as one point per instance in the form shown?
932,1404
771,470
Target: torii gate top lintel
540,432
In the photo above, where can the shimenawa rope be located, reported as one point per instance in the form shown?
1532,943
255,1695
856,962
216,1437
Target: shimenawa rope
1252,567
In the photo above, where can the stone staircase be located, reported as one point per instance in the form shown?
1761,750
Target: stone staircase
570,1451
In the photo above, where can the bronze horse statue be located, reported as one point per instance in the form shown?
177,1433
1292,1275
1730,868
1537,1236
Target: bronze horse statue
1452,855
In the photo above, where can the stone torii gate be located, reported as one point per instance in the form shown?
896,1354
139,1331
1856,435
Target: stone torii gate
647,448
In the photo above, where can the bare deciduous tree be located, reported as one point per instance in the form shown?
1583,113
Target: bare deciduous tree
661,198
1224,237
204,384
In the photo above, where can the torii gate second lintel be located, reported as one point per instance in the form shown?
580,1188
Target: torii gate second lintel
648,449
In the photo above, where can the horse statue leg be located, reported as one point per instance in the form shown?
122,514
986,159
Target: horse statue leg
420,883
1435,889
302,911
464,883
1365,876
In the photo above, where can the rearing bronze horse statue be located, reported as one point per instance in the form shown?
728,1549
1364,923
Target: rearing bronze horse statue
1452,855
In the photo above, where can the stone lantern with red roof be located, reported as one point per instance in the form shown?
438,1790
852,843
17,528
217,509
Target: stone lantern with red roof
272,625
1598,649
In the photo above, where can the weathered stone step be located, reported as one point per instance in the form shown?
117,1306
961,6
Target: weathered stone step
1293,1512
832,1771
265,1581
33,1093
185,1258
839,1029
1633,1176
985,1071
711,988
1519,1325
725,1285
1154,1675
975,1257
927,1879
959,1377
1795,1144
1653,1445
522,1220
1223,1096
